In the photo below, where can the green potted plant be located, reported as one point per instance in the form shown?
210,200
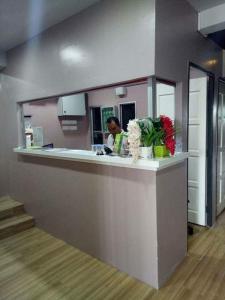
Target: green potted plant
147,137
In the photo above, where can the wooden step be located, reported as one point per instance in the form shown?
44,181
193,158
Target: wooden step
15,224
10,207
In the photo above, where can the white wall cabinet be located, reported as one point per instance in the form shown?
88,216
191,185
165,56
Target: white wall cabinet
72,105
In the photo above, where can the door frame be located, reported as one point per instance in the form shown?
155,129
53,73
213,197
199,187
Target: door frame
220,79
209,140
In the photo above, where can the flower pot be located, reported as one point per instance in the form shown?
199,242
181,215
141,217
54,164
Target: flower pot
161,151
146,152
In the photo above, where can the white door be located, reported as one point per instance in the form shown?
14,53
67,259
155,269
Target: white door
221,151
197,151
165,95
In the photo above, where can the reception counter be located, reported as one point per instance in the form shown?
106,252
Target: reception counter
117,161
132,215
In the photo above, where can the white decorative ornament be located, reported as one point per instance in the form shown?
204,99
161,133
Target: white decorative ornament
134,137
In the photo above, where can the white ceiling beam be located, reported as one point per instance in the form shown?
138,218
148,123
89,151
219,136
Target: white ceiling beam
212,19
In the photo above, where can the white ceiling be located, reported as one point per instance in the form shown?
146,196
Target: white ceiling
21,20
200,5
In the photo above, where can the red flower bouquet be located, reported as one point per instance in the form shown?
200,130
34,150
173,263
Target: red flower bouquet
164,132
169,132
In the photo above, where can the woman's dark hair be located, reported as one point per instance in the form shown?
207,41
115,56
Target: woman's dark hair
113,119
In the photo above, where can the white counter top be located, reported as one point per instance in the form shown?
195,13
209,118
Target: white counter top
117,161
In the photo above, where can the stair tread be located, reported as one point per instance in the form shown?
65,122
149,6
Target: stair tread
15,220
5,198
9,202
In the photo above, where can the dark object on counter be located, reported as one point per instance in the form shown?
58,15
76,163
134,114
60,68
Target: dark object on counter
99,152
190,230
48,146
107,150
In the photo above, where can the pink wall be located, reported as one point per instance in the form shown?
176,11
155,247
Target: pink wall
44,114
136,93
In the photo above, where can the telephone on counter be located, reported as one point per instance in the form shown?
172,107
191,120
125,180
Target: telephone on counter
107,150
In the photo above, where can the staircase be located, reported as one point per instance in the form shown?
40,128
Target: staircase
13,218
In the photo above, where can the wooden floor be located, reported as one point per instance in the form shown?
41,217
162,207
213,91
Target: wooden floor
35,265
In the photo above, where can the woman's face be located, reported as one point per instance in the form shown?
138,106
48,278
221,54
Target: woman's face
114,128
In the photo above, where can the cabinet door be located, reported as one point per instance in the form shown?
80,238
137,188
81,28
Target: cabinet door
73,105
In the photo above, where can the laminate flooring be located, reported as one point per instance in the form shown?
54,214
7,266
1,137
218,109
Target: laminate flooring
36,266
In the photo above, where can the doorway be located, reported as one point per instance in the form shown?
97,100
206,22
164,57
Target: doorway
127,113
200,142
96,125
165,99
